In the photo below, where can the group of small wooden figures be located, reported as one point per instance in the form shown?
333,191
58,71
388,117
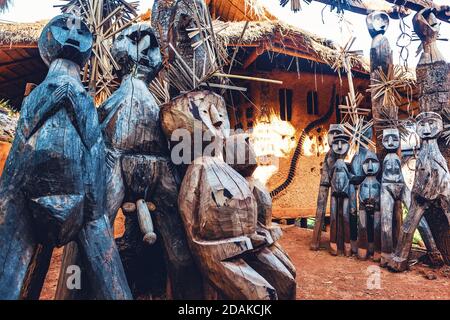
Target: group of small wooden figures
72,167
364,219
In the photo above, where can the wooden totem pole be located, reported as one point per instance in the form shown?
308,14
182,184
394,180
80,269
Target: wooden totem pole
340,198
140,179
380,60
369,217
432,79
53,188
325,184
431,191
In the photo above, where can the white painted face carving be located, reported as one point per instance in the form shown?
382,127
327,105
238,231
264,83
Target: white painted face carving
377,23
371,165
429,125
391,139
333,131
341,145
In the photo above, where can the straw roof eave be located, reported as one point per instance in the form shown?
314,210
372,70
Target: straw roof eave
13,34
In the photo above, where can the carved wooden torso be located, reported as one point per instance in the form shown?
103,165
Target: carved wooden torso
225,208
432,179
369,192
130,120
392,169
356,166
340,180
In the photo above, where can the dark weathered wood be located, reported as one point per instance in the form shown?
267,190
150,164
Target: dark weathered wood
55,170
37,271
369,208
340,196
138,166
431,187
325,178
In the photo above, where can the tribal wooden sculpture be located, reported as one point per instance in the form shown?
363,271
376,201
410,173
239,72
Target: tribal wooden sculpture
218,207
269,260
380,60
432,79
139,173
358,176
340,198
431,190
394,189
325,184
369,217
53,188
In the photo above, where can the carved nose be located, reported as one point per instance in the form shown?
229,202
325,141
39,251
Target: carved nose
215,117
427,130
340,145
390,142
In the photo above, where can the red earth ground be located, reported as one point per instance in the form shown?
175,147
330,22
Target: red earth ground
322,276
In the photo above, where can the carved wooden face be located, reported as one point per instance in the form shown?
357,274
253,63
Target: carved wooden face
391,139
429,125
371,165
66,37
426,25
239,154
197,107
136,48
377,23
333,131
341,145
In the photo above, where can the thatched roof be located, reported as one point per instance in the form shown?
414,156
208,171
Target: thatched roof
8,123
20,33
282,35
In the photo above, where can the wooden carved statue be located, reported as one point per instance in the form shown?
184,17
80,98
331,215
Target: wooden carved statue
431,189
369,217
140,178
217,204
394,190
432,80
270,260
340,198
380,60
325,184
358,175
53,188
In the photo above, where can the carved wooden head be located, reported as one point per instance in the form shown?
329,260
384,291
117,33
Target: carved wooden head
198,110
391,139
66,37
429,125
340,145
136,49
426,25
371,164
239,154
334,130
377,23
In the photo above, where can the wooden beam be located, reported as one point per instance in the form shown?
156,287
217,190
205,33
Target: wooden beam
15,63
252,57
24,78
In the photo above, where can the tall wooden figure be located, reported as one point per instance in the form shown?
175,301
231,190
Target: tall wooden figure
434,95
369,217
340,199
394,189
139,169
431,190
325,183
53,187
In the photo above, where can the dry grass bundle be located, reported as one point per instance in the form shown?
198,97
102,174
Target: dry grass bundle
388,86
106,18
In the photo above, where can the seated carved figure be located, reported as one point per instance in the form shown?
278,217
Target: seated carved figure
217,205
431,187
53,187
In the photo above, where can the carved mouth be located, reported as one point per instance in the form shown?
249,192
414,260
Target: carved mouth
73,43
